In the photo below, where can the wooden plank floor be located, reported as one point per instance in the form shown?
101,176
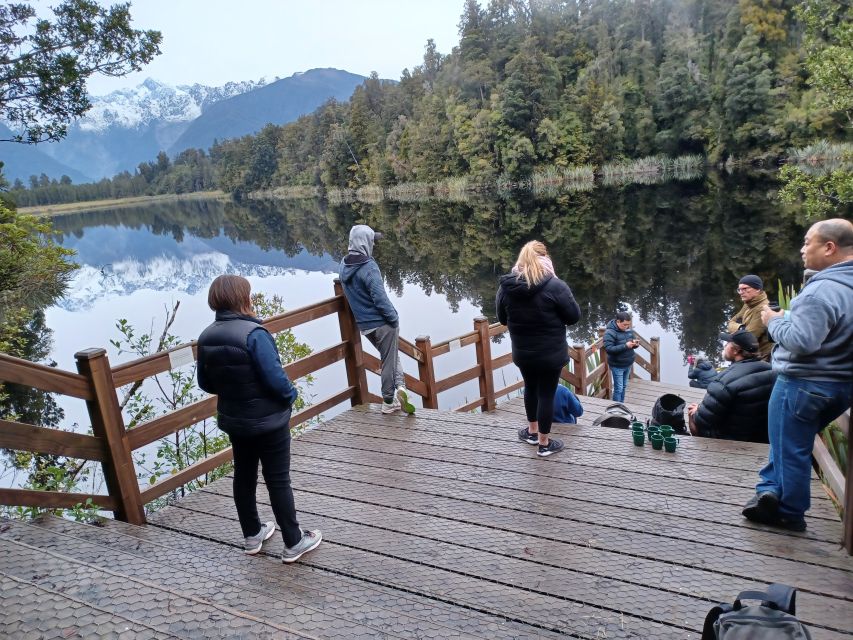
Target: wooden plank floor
445,525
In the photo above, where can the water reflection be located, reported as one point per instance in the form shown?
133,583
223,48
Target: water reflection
673,252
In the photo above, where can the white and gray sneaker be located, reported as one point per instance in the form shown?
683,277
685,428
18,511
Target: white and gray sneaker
391,407
310,540
402,397
253,544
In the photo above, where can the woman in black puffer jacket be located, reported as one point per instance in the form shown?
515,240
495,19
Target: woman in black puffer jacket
536,306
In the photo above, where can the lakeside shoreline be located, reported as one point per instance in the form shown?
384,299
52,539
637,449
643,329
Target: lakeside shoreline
54,210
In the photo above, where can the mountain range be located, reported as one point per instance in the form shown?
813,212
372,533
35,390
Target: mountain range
131,126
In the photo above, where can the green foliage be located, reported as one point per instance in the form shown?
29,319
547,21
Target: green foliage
45,63
34,271
829,46
829,49
821,195
551,84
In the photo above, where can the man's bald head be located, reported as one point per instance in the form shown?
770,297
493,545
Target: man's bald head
828,242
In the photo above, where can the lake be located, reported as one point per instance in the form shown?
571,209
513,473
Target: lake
672,253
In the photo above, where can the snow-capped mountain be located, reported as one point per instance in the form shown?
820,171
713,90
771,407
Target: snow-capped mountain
154,101
165,273
131,126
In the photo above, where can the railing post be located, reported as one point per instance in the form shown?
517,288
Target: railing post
848,488
356,375
484,361
426,372
576,353
655,355
108,424
608,379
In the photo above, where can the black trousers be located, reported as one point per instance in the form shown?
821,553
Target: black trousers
272,450
540,387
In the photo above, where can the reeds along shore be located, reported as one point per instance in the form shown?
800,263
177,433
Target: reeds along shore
548,180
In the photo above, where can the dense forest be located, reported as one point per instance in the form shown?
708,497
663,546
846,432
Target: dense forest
533,84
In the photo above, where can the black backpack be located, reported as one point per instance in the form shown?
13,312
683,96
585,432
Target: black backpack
669,409
773,619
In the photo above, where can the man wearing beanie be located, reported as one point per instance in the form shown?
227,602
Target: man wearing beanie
750,288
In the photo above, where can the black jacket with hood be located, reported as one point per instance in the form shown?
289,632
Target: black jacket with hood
735,406
537,317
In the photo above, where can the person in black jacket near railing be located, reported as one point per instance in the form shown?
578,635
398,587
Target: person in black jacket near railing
536,306
735,406
238,361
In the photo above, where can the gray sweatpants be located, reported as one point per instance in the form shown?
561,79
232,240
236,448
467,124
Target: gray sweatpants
385,339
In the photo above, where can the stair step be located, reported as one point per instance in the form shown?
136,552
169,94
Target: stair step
33,611
126,594
309,599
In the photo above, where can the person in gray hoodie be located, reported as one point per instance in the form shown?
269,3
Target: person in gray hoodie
376,317
813,357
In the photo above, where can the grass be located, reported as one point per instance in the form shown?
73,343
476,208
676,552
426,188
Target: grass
822,157
52,210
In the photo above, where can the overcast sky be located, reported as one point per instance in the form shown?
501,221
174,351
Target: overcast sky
214,41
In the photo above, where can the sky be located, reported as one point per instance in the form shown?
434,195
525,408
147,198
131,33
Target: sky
212,42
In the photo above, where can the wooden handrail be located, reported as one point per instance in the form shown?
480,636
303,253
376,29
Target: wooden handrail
113,444
53,499
28,437
38,376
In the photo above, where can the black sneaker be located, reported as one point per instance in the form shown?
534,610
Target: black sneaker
789,523
553,446
525,436
762,508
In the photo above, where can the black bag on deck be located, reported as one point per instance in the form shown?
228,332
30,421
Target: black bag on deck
669,409
773,619
615,415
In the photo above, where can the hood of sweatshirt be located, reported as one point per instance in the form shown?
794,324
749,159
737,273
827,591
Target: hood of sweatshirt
517,287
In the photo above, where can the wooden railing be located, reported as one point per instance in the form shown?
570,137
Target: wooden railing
112,443
839,483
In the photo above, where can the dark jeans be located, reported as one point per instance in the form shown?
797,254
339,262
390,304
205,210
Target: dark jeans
540,386
272,450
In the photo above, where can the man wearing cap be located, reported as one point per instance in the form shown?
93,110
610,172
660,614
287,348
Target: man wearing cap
813,357
750,288
375,315
735,406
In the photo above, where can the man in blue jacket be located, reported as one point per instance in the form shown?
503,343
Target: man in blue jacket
813,357
375,315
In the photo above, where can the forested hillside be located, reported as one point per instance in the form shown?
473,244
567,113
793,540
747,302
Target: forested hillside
553,83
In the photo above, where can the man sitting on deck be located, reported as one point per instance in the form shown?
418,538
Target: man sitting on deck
814,359
735,407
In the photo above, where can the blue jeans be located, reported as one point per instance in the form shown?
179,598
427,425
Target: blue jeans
620,382
798,410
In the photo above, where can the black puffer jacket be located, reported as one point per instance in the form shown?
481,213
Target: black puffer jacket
735,407
537,317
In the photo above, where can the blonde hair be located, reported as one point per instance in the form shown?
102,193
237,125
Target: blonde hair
528,264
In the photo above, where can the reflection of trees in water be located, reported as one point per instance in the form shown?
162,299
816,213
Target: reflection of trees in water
674,252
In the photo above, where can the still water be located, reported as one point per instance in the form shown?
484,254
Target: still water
672,253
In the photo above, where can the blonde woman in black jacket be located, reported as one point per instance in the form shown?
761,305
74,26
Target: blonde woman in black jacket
537,306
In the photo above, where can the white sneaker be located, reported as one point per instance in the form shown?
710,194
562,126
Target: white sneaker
391,407
253,544
309,541
402,398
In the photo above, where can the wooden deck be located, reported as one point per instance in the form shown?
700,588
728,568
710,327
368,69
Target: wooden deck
444,525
